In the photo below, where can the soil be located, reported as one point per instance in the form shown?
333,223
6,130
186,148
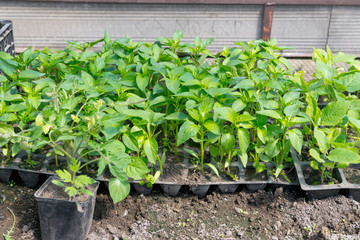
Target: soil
52,166
289,173
270,214
174,173
313,177
234,171
55,192
352,174
252,175
36,166
195,176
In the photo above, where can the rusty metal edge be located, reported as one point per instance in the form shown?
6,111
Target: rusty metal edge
252,2
267,21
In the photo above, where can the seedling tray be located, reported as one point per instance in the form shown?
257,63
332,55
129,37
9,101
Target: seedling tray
6,37
6,172
352,189
255,185
319,191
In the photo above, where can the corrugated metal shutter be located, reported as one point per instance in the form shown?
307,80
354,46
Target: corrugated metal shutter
49,24
344,32
301,27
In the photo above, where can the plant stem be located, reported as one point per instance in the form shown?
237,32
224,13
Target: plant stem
8,152
92,161
202,152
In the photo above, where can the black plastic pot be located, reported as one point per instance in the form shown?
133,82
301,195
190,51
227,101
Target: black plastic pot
61,219
142,189
317,191
30,178
6,172
253,185
228,188
288,186
352,185
171,189
200,190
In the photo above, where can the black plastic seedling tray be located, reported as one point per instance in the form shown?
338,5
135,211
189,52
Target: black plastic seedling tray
6,37
328,190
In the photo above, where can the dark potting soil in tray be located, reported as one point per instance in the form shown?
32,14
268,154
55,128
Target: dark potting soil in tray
174,173
226,177
289,173
36,167
352,174
195,176
90,171
52,167
252,175
313,177
55,192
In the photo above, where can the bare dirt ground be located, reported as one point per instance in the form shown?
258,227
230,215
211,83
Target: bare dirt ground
270,214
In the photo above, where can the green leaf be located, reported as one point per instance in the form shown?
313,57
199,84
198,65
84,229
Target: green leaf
114,146
7,68
110,130
99,64
206,105
286,63
142,82
314,165
58,183
83,180
245,118
270,113
212,127
311,108
192,153
296,139
238,105
322,141
8,117
244,140
151,150
136,169
177,36
351,81
194,114
16,107
228,142
172,84
118,173
227,114
120,159
118,189
334,112
130,142
344,155
316,155
213,168
35,100
87,79
30,74
176,116
354,118
66,138
187,130
244,159
64,175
